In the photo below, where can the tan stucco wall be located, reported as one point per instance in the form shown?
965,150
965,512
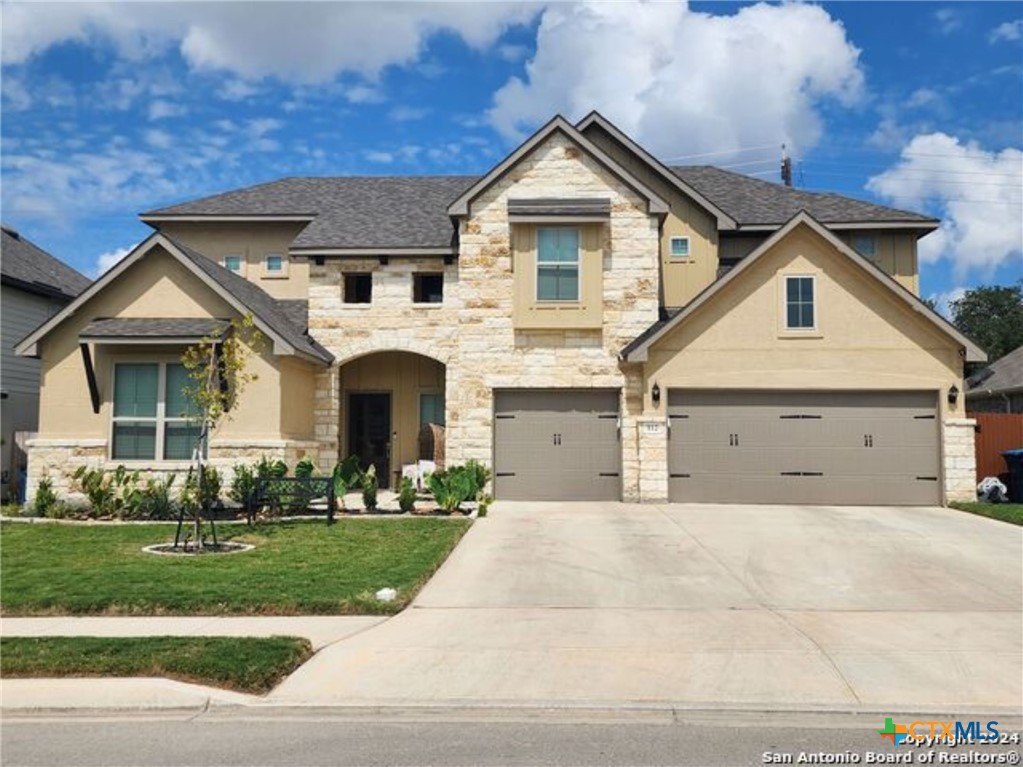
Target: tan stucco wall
297,391
404,376
683,278
253,241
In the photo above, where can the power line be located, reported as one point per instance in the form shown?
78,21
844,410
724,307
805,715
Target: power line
724,151
936,183
911,170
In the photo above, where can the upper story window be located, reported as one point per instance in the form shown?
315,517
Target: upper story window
234,264
557,264
680,247
799,303
358,288
431,408
153,418
274,264
865,245
428,288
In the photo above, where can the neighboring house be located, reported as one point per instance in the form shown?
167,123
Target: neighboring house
33,287
589,322
998,388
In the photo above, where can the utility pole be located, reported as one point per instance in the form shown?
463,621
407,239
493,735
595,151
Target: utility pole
786,167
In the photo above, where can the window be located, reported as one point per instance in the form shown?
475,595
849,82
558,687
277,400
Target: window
680,247
865,245
274,264
799,309
153,418
233,263
427,288
431,408
358,288
557,265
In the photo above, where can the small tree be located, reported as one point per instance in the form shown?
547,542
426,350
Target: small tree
218,374
991,315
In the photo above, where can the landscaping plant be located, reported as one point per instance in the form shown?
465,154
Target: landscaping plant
346,477
45,499
369,488
305,468
243,489
406,495
452,487
156,500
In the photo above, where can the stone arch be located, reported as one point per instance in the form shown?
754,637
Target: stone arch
363,347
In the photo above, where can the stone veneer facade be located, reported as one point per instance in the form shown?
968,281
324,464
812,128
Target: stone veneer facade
959,459
472,332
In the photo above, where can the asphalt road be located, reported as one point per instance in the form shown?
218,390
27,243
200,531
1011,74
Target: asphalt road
309,740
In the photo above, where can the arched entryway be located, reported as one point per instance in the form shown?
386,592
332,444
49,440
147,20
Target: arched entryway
386,397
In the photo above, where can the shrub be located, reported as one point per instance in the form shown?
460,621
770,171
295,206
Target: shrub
305,468
406,495
346,477
480,477
45,499
369,488
198,496
243,489
108,491
156,501
451,487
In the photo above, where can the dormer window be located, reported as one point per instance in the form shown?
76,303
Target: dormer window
233,264
275,266
680,247
865,245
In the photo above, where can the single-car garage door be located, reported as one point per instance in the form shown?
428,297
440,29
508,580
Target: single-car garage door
556,445
803,447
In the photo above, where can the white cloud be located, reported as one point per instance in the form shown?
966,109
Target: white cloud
237,90
253,40
686,82
1006,32
942,301
106,261
381,157
949,20
160,109
364,94
979,192
159,139
406,114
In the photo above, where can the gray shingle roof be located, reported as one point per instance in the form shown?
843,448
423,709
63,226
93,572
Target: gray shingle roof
279,315
350,212
754,201
139,327
26,265
1004,374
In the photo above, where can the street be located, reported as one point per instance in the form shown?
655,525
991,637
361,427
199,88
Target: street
286,738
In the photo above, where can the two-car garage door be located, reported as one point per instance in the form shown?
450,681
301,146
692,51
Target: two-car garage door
557,444
803,447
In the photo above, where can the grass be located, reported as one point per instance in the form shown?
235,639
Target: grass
1006,512
296,568
245,664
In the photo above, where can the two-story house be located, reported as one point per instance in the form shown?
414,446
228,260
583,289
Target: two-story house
33,287
587,321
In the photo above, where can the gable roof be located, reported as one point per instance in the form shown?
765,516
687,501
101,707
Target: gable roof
25,265
637,350
754,202
558,124
355,212
1003,375
269,316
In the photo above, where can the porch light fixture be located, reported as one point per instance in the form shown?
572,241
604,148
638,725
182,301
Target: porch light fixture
655,394
953,395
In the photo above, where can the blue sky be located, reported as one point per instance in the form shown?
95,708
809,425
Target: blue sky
110,109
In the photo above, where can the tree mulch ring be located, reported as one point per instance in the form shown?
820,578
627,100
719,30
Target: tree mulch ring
191,550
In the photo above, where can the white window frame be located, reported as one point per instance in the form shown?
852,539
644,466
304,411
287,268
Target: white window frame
160,419
858,239
241,263
671,247
815,304
275,274
578,265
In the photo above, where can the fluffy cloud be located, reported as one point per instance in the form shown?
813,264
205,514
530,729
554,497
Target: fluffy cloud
307,42
106,261
160,109
686,82
1006,32
979,192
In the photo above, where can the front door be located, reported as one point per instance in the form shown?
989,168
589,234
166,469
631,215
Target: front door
369,432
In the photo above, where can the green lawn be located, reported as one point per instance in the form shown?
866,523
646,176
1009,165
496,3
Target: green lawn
296,568
246,664
1006,512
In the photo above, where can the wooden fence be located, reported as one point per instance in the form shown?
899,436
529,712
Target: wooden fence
996,433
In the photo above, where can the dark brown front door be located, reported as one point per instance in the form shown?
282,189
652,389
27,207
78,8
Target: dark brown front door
369,432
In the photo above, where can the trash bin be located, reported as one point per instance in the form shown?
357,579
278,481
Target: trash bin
1014,460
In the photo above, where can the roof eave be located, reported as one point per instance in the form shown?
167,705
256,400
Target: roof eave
161,218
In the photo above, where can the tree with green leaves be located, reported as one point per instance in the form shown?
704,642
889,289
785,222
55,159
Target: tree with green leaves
992,316
218,372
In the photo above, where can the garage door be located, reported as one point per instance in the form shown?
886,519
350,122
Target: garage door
556,445
803,447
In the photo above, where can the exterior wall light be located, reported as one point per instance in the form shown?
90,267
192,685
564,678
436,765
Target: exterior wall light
953,395
655,395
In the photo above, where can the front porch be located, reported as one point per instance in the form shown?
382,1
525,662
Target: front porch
384,399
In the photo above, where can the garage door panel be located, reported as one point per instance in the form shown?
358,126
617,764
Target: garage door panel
803,447
557,445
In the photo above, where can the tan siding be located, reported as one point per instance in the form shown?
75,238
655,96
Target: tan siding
253,241
896,254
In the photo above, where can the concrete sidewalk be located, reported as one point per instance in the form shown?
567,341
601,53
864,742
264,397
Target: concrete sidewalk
319,630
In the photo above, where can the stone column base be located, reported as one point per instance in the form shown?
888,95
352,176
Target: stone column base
960,460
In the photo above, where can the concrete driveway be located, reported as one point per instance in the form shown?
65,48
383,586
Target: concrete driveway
893,609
